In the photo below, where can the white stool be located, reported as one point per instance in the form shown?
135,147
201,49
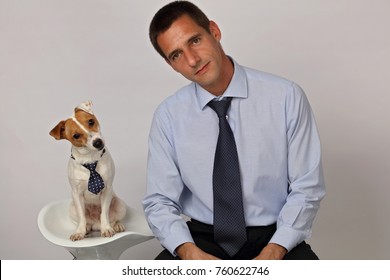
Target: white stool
56,226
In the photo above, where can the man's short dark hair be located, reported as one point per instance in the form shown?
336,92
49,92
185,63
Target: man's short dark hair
168,14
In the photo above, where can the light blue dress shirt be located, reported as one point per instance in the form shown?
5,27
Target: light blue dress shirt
279,154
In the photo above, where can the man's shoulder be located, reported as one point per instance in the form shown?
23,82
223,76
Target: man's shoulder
272,85
262,76
180,98
183,94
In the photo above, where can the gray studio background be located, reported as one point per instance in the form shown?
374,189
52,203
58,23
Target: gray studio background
55,54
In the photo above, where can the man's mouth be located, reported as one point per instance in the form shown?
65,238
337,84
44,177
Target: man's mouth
203,69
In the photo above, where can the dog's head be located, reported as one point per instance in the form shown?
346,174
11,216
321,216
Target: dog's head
82,129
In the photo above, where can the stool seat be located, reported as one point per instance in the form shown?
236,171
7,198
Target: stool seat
56,226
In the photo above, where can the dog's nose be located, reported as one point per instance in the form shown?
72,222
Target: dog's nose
98,144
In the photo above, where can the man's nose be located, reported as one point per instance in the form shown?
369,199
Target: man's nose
192,58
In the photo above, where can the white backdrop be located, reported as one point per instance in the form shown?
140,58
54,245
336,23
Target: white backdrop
56,53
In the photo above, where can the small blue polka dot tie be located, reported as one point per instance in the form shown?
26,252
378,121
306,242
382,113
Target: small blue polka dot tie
95,182
229,220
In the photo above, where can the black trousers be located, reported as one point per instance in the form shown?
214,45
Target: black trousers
258,238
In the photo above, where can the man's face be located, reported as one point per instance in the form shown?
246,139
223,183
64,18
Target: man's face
193,52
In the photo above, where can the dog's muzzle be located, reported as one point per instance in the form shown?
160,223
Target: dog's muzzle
98,144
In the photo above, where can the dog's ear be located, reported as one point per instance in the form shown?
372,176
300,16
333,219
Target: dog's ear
58,131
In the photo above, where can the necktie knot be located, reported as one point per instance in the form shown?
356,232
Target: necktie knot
91,166
220,107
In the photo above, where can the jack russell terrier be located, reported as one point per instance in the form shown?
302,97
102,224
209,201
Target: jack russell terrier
91,173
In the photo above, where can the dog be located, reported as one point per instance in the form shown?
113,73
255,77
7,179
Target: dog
91,170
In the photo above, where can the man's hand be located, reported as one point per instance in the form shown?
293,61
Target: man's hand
189,251
272,252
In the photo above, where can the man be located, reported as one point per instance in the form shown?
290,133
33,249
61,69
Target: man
281,181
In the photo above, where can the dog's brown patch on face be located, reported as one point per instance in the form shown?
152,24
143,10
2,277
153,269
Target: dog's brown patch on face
89,121
71,130
75,134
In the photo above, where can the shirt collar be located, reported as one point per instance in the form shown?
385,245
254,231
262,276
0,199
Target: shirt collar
237,87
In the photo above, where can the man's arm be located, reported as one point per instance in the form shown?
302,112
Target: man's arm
305,176
164,187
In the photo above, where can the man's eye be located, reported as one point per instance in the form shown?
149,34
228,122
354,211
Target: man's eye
175,56
76,136
196,41
91,122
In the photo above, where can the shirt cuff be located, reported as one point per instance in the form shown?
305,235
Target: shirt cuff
172,241
288,237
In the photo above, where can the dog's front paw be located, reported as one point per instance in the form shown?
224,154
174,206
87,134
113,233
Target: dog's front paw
118,227
108,232
77,236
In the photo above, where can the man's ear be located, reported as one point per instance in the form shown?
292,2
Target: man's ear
58,131
215,31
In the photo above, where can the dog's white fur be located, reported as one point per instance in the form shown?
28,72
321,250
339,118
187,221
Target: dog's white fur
105,210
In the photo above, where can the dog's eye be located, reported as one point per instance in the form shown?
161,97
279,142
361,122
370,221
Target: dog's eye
76,136
91,122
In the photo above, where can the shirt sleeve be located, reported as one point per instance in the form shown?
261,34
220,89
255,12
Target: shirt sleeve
305,176
164,187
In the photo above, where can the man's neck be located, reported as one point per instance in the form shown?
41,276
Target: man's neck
227,71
